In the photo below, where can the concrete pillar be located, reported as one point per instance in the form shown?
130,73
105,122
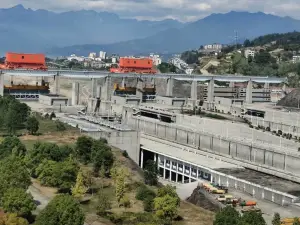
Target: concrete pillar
1,83
75,93
249,92
139,89
194,90
94,88
154,157
123,84
105,90
56,85
176,177
170,84
98,91
266,85
211,91
142,158
231,84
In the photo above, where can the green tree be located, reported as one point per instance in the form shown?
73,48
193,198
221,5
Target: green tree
102,156
13,219
120,186
16,200
58,174
148,204
252,218
84,148
46,151
227,216
166,208
247,43
13,174
169,190
62,210
276,219
150,173
32,125
12,145
296,221
12,121
60,126
104,204
79,189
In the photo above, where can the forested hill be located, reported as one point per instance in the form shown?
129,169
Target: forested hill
288,41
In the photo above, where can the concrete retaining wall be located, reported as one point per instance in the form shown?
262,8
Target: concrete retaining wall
126,140
253,156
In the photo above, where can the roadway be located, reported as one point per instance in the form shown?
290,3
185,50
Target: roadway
103,74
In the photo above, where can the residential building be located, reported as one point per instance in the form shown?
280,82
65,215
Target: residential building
74,57
156,59
102,55
249,52
296,59
92,55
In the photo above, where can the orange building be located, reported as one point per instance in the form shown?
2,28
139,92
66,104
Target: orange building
24,61
134,65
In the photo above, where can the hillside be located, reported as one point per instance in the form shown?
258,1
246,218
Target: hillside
42,29
214,28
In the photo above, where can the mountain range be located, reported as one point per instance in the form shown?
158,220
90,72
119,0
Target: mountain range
81,32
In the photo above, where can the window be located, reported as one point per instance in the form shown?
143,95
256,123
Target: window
148,62
22,56
134,62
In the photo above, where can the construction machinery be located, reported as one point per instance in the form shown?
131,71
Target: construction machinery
251,209
24,61
288,221
134,65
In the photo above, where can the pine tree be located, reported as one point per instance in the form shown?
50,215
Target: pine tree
276,219
79,189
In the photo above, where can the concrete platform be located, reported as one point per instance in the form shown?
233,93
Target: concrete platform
176,151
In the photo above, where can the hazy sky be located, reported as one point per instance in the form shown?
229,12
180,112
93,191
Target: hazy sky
184,10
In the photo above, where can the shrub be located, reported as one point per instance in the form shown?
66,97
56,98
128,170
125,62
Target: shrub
144,192
280,132
268,129
125,154
250,126
125,202
60,126
52,115
148,204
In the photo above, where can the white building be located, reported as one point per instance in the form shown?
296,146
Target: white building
213,47
113,59
92,55
296,59
249,52
74,57
102,55
156,59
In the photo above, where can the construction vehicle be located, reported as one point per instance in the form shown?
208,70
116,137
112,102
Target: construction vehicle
247,203
24,61
224,198
134,65
288,221
251,209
